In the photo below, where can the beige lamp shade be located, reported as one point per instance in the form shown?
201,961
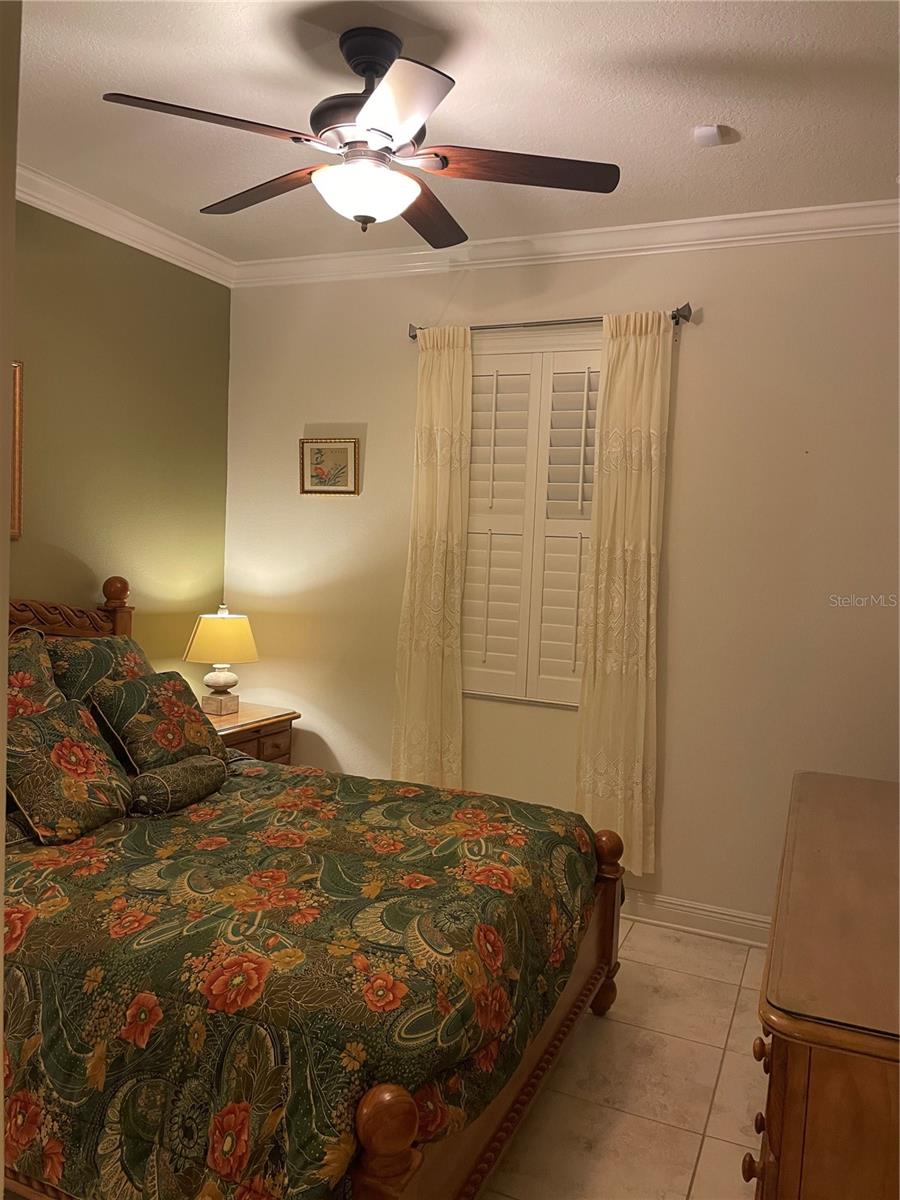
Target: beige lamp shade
221,637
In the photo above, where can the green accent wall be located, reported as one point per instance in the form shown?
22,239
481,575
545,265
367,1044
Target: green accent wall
125,430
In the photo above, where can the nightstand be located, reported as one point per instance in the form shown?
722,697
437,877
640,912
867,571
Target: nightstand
258,730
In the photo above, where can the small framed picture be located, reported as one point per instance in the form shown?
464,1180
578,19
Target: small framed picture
329,466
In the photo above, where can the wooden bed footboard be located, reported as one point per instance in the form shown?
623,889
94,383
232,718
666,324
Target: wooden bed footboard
391,1166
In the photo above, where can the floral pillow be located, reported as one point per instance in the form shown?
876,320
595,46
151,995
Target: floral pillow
168,789
79,663
155,720
30,685
62,775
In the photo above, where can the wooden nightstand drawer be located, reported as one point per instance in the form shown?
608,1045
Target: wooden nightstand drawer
275,745
258,730
248,745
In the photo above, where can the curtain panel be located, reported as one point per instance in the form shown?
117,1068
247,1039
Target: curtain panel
616,754
427,736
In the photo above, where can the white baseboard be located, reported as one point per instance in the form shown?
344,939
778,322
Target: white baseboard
727,923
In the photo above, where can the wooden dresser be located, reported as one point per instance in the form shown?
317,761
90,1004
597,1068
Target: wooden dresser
829,999
258,730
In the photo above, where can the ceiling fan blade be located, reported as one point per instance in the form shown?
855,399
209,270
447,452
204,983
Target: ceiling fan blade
199,114
402,102
431,221
535,170
264,191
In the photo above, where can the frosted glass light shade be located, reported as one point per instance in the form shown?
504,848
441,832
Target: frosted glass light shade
221,637
363,188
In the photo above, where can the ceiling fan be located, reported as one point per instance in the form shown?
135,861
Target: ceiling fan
378,134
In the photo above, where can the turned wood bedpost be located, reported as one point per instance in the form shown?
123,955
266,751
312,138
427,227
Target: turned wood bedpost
608,891
387,1122
117,608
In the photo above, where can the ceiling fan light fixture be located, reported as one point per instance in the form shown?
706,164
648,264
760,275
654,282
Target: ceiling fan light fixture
365,191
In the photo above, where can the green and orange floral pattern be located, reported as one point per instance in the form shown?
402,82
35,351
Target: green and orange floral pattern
154,720
80,663
30,687
172,787
196,1002
62,775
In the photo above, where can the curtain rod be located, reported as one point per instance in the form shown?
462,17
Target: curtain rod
679,315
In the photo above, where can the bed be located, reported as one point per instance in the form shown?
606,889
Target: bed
304,985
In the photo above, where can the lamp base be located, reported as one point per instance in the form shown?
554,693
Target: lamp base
220,704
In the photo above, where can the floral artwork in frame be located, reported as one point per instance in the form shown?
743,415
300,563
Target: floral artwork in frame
329,466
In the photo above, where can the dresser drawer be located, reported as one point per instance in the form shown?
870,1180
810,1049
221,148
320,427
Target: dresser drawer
276,745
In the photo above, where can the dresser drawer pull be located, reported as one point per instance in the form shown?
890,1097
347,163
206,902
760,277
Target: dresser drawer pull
751,1169
762,1052
759,1123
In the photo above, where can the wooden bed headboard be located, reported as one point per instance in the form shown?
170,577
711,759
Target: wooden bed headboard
62,620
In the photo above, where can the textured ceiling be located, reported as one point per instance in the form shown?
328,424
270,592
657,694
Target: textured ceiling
811,88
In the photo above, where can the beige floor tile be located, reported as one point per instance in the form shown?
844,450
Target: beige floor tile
648,1074
624,929
745,1025
673,1002
740,1095
570,1150
753,970
718,1174
690,952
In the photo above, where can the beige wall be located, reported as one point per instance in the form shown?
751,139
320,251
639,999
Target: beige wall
782,491
126,386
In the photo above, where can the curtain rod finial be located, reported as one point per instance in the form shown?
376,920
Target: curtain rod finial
412,333
684,313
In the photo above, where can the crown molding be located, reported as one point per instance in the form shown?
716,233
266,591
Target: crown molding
62,200
663,237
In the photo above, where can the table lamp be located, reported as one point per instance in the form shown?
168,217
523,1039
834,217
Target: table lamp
221,638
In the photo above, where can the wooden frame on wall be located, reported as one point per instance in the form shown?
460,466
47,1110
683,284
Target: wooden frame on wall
15,473
338,469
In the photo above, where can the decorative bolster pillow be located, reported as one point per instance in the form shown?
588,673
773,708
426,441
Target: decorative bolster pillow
175,786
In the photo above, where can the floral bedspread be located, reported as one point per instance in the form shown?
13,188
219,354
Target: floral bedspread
195,1003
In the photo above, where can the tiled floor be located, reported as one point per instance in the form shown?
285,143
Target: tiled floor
656,1100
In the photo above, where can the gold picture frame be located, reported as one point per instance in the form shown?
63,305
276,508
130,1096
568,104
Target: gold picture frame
15,473
329,466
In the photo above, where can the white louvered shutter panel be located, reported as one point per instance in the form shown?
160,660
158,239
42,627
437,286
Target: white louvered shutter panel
497,593
566,457
573,419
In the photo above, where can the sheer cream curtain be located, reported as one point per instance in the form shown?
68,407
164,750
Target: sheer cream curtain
616,756
427,740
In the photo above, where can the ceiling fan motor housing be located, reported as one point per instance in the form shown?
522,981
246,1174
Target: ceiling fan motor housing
334,121
369,53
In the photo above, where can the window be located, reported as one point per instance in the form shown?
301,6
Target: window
534,409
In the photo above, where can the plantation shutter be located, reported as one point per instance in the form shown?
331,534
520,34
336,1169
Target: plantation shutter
534,417
566,453
496,597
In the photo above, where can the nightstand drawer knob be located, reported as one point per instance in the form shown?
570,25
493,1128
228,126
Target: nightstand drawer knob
762,1052
750,1168
759,1123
